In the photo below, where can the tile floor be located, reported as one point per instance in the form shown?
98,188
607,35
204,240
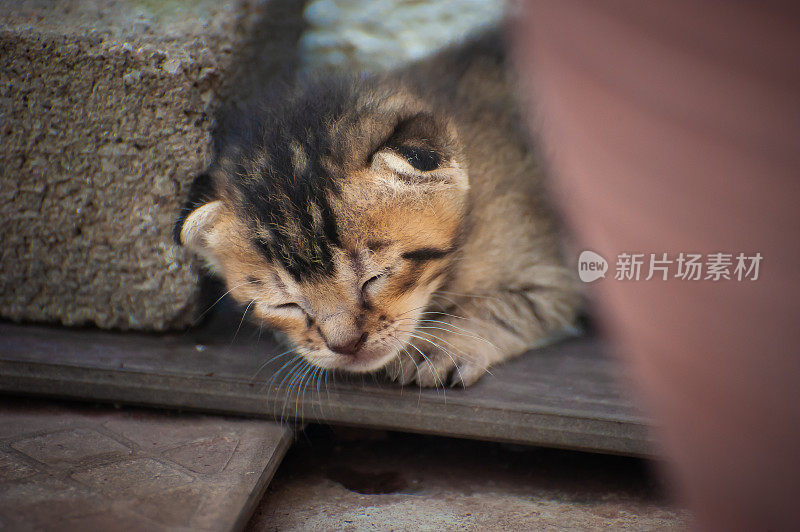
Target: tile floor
85,467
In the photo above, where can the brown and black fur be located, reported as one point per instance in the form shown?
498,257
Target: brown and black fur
395,221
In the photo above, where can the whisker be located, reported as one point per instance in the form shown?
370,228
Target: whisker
327,388
290,371
435,295
287,395
298,371
463,354
455,330
206,311
401,345
436,376
419,388
297,410
265,364
314,383
321,372
268,384
455,327
260,330
443,314
416,366
411,310
466,332
242,321
301,387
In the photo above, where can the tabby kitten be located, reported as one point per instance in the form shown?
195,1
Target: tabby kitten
394,221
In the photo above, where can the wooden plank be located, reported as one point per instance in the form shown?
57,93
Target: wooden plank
565,395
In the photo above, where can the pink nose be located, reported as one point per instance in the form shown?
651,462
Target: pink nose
349,346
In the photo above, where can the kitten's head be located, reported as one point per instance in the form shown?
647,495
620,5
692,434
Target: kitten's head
334,217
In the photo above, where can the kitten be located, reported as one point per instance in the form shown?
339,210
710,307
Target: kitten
394,221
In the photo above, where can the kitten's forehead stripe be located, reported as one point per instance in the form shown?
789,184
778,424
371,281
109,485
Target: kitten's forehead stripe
285,195
426,254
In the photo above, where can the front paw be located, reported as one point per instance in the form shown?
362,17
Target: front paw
434,366
402,369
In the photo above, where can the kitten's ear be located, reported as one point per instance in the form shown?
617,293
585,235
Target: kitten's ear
198,224
198,214
422,148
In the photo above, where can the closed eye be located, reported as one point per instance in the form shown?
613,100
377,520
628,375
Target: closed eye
296,310
289,306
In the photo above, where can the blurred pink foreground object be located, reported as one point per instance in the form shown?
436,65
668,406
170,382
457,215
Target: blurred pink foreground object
674,127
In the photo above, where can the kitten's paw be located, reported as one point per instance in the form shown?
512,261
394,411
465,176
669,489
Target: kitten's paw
441,369
468,373
433,366
434,370
402,369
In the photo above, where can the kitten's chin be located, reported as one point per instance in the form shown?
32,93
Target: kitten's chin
361,363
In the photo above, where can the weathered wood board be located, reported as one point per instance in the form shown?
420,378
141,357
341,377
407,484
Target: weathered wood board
565,395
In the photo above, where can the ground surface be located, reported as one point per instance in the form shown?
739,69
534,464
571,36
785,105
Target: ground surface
71,466
371,480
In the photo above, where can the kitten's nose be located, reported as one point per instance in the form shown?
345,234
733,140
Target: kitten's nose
348,346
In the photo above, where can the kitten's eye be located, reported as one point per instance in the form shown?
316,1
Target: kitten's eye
422,159
293,309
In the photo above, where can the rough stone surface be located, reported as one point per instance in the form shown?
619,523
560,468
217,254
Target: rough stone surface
74,468
380,34
360,480
105,113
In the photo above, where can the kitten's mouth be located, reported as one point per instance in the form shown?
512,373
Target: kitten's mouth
365,361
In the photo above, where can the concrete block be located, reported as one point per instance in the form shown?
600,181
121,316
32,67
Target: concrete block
105,116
